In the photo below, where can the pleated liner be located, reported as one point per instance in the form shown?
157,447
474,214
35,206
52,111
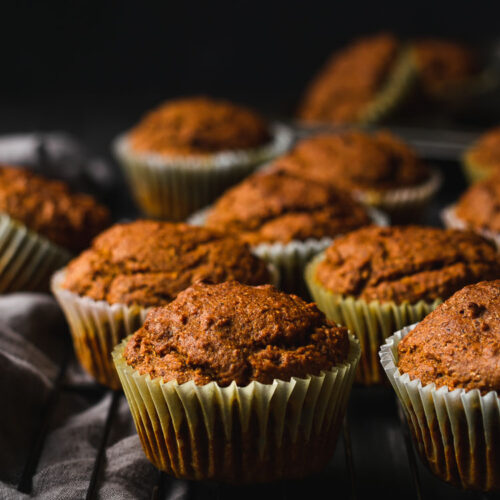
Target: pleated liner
257,433
27,260
172,187
457,433
371,322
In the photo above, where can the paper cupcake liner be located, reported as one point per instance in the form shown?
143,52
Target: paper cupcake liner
397,88
451,221
290,258
257,433
97,327
172,187
27,260
403,204
457,433
371,322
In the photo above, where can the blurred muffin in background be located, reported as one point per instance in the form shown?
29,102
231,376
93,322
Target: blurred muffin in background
377,168
482,159
361,83
478,210
183,154
41,223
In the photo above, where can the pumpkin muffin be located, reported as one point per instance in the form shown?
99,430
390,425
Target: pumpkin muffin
482,159
377,280
286,218
454,357
361,83
42,222
183,154
376,168
243,354
107,290
478,210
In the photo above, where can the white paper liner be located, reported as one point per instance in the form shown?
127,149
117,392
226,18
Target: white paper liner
457,433
173,187
291,258
452,221
97,327
371,322
260,432
27,260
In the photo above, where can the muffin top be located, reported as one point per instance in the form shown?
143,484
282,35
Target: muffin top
50,209
458,344
198,126
234,332
442,63
486,151
278,207
406,264
356,161
148,263
350,80
479,206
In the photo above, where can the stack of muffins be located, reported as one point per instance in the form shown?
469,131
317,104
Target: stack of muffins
230,378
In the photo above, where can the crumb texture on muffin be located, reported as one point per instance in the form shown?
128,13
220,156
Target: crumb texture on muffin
406,264
356,160
350,80
234,332
479,206
49,208
197,126
148,263
278,207
458,344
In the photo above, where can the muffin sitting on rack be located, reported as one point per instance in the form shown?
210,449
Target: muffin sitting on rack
482,159
41,224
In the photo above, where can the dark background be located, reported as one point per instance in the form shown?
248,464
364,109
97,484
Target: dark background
94,67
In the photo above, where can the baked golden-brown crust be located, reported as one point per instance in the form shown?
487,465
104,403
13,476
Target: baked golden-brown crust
233,332
485,152
458,344
350,80
406,264
198,126
356,161
442,63
278,207
479,206
148,263
49,208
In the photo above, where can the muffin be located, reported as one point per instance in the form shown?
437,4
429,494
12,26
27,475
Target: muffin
41,224
478,210
236,383
377,168
286,219
106,292
361,83
378,280
183,154
445,371
482,159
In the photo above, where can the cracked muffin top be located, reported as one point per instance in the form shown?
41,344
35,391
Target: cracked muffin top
356,161
198,126
458,345
479,206
278,207
350,80
148,263
442,63
49,208
485,152
406,264
233,332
